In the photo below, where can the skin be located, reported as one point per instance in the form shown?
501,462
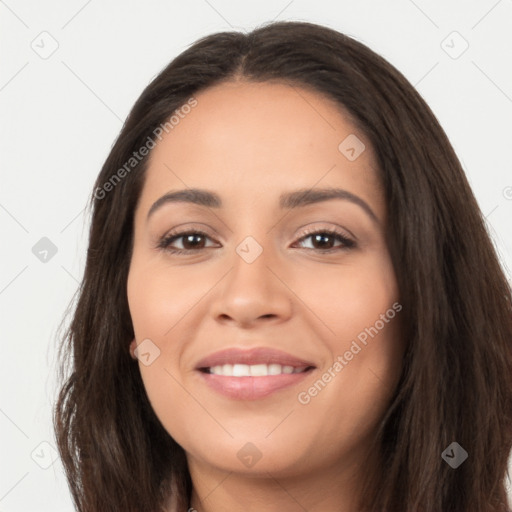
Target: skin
249,143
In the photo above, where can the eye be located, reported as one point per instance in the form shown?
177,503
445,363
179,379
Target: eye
322,236
194,241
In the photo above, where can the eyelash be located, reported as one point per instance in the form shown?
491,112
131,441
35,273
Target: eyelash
166,240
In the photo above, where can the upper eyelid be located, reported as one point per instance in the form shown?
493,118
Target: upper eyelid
193,227
309,230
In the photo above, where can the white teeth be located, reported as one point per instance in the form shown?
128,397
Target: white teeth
241,370
274,369
255,370
258,370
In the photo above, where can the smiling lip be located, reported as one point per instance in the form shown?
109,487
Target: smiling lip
252,388
261,355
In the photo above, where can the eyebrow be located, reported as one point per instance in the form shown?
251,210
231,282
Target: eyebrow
288,200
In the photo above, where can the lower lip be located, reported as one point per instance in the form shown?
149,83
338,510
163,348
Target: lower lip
252,388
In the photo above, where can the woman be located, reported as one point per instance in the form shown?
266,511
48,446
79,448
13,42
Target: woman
290,299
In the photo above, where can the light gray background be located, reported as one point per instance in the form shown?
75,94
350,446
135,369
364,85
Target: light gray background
61,113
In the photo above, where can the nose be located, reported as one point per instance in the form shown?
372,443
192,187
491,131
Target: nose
254,292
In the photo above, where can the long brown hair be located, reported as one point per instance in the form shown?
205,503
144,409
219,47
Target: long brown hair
456,383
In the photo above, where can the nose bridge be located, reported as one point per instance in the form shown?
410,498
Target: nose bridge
250,275
251,289
253,241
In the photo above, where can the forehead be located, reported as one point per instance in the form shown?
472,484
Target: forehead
251,141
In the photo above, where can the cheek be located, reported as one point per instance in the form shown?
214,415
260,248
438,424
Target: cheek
349,396
346,299
158,298
157,301
163,302
359,312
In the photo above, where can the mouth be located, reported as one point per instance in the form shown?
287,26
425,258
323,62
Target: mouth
252,374
254,370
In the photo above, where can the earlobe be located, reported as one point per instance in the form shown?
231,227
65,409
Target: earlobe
133,346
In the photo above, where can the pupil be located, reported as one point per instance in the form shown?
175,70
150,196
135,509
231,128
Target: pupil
318,237
190,238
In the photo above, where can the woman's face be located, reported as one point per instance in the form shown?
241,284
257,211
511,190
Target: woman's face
253,276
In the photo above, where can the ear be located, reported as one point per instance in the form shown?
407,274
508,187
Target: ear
133,346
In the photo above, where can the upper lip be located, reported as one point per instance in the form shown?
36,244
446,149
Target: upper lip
260,355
